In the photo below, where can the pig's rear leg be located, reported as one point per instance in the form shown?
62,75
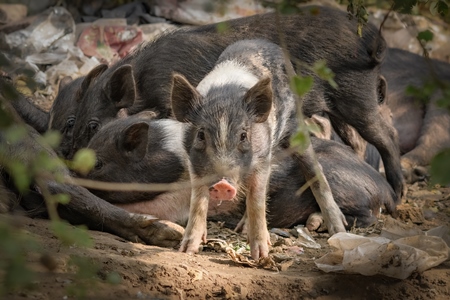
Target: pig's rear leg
333,217
242,225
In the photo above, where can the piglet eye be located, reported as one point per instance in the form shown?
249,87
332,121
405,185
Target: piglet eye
201,135
98,164
93,126
243,136
70,122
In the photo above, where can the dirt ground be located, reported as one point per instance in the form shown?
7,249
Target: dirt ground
149,272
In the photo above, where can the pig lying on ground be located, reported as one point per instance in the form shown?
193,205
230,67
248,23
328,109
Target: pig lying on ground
127,147
61,116
84,207
423,128
142,80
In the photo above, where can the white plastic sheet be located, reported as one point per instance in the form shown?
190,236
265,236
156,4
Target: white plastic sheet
411,251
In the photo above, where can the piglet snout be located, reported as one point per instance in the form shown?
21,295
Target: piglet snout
222,190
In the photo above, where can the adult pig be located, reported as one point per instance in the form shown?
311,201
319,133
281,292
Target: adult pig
423,127
142,80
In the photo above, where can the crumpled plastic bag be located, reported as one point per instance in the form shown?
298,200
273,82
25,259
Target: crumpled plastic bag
49,40
52,32
200,12
109,39
397,258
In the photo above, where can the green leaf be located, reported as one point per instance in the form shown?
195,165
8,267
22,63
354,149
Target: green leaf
15,134
300,140
325,73
62,198
440,168
313,128
426,36
52,138
404,6
433,7
83,161
21,175
288,8
71,235
221,27
442,8
113,278
8,90
301,85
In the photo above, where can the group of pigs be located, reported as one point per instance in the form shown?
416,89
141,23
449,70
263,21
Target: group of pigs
215,109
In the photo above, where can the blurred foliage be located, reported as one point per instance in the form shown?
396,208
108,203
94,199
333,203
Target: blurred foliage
40,167
15,246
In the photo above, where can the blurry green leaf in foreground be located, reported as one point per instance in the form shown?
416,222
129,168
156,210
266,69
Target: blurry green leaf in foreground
15,134
301,85
222,27
86,279
15,245
325,73
404,6
52,138
426,36
83,161
71,235
440,168
439,7
113,278
21,175
62,198
300,140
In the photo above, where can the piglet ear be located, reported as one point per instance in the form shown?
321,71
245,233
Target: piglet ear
183,97
89,79
382,90
134,140
259,100
121,87
63,82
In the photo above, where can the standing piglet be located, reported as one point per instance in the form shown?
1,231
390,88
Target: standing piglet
238,115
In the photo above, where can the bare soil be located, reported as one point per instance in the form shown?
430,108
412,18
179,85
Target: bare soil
149,272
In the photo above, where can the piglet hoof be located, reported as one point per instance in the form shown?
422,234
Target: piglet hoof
412,172
408,170
158,232
334,220
242,225
191,242
316,222
260,247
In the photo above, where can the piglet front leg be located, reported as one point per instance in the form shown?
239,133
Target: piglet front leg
258,235
195,232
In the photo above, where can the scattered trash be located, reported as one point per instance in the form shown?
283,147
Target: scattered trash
398,252
109,39
280,232
263,262
295,250
198,12
305,239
